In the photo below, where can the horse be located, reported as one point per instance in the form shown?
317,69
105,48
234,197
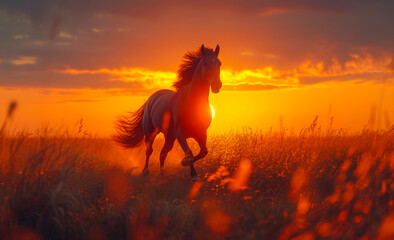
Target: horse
181,114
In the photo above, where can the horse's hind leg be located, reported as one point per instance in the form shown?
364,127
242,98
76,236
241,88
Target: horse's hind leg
148,151
168,144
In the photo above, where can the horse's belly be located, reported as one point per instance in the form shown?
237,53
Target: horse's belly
159,108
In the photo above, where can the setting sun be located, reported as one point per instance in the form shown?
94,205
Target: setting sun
212,111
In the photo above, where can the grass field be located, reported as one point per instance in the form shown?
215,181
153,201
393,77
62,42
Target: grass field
309,185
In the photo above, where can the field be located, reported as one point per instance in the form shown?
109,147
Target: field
277,185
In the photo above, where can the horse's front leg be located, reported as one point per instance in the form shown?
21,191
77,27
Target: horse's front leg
193,173
202,142
188,159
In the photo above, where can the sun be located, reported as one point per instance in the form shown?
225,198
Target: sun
212,111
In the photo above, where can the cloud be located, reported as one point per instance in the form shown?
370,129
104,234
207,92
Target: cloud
67,35
254,80
267,76
147,78
247,53
72,101
43,10
20,36
358,68
283,44
23,60
33,78
250,87
143,81
360,77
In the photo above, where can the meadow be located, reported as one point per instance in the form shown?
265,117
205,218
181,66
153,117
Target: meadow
313,184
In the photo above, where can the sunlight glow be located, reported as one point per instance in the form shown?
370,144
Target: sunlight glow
212,111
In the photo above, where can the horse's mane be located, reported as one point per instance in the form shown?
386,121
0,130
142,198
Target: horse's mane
189,66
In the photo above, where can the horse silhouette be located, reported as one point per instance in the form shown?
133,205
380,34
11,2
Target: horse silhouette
181,114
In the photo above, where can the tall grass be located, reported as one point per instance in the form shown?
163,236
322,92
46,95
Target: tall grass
276,185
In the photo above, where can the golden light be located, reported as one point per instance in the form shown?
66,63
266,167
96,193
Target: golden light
212,111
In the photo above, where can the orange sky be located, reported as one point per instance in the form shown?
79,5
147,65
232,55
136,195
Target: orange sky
350,104
281,62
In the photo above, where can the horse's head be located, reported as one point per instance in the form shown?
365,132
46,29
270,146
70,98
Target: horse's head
211,67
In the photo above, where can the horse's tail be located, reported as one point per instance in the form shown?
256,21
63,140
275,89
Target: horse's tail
129,129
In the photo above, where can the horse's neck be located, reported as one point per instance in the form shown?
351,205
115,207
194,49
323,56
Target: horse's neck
199,86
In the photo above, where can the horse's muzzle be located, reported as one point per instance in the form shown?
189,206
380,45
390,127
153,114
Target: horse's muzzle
215,91
215,88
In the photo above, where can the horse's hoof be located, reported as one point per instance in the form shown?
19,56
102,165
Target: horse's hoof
196,178
186,161
145,172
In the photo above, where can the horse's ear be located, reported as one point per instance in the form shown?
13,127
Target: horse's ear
217,49
202,49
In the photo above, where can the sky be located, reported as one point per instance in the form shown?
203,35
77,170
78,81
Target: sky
283,62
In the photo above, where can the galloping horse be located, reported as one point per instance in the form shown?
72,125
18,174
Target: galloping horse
181,114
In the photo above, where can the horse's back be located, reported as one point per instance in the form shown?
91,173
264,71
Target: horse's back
155,108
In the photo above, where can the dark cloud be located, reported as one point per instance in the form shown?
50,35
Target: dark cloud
360,77
44,10
155,34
